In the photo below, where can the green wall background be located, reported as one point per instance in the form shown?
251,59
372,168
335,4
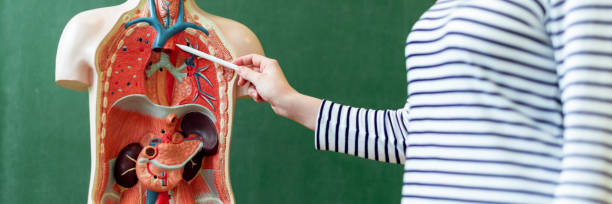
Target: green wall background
348,51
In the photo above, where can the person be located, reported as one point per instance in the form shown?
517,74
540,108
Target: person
508,102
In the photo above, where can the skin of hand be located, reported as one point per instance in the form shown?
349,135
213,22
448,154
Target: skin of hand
267,83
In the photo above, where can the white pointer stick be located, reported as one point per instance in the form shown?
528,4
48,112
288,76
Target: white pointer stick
208,57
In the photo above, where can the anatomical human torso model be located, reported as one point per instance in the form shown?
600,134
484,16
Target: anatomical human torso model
161,118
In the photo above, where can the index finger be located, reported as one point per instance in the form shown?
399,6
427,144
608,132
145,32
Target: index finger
250,59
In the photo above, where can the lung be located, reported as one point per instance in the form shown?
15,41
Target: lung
138,61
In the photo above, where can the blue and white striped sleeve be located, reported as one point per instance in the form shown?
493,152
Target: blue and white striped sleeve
372,134
581,32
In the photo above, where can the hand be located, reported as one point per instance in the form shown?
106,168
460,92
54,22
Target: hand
268,84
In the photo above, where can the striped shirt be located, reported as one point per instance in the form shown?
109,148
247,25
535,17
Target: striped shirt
509,101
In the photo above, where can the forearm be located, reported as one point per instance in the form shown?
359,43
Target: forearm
373,134
298,107
268,84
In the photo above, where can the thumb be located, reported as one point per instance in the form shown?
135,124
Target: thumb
249,74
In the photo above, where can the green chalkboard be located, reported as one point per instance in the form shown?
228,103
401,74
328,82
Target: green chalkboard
348,51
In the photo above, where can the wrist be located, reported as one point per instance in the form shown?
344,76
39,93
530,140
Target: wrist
285,104
298,107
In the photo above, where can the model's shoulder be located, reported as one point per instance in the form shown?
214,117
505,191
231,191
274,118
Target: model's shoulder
232,25
85,28
88,27
93,18
243,40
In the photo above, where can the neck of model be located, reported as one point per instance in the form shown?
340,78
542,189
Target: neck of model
167,10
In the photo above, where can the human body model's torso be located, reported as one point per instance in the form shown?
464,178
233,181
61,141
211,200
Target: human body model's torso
161,117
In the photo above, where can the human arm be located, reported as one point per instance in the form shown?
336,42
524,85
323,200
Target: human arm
580,30
372,134
270,85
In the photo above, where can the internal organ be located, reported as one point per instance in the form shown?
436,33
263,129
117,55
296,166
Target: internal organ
129,63
171,143
163,151
169,77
